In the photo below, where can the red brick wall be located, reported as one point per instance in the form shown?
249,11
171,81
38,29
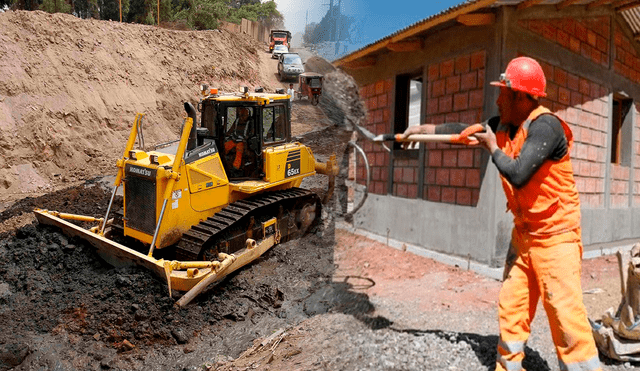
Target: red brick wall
626,61
584,105
377,97
455,94
588,37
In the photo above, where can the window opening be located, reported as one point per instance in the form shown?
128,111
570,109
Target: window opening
621,123
408,103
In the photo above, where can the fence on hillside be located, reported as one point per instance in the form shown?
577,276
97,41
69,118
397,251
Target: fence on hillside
251,28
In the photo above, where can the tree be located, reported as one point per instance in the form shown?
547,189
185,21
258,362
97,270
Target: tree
55,6
203,14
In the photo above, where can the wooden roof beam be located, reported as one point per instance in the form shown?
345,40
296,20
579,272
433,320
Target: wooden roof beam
361,63
631,5
597,3
528,3
406,45
563,4
476,19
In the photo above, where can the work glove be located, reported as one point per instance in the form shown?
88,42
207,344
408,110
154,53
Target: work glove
463,137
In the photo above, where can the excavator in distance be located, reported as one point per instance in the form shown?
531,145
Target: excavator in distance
214,201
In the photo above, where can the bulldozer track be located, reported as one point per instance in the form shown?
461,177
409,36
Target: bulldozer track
227,230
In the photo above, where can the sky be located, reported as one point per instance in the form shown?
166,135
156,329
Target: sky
375,18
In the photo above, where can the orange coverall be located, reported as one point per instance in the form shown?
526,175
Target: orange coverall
544,261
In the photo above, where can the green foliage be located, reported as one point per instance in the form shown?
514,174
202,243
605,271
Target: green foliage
55,6
197,14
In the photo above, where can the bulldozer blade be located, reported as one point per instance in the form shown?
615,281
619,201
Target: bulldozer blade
180,276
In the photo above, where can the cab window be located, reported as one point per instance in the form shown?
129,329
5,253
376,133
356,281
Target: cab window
273,124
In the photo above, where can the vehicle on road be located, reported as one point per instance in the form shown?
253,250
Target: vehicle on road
290,66
278,51
310,86
279,37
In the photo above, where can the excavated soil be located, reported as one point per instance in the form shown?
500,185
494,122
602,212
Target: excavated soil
333,300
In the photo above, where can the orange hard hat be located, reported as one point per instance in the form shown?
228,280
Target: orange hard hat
524,74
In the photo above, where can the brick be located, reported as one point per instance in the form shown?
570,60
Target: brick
564,96
379,87
434,72
412,191
430,176
549,32
476,98
562,38
581,151
547,69
576,99
574,44
477,60
472,178
381,159
602,44
463,196
409,175
594,90
432,106
470,116
462,64
442,176
560,77
452,117
457,177
382,100
477,157
569,25
592,38
388,84
594,171
581,31
585,87
453,84
448,195
446,68
377,116
585,50
475,197
465,158
375,173
385,114
552,92
460,101
468,81
433,193
573,82
445,103
438,88
595,55
435,158
592,153
481,74
402,191
397,174
450,158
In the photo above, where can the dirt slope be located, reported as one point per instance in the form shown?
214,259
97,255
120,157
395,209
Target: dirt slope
70,89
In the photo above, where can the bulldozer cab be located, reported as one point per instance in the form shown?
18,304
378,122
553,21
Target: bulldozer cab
242,128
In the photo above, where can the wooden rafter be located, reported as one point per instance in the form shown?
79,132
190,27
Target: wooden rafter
476,19
598,3
528,3
631,5
563,4
406,45
620,3
361,63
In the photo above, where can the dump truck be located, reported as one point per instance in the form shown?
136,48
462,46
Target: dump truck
200,207
279,37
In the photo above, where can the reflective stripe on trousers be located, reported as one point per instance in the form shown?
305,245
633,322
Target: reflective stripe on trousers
553,275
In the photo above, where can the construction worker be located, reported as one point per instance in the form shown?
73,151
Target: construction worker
531,149
238,133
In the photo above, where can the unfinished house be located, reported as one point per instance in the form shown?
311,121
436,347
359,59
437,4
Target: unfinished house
449,198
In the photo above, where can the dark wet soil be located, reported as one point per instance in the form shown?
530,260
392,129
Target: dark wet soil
64,308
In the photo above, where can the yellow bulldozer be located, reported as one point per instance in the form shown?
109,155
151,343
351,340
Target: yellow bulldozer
203,206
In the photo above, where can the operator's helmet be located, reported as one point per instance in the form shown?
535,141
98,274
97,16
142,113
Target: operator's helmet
524,74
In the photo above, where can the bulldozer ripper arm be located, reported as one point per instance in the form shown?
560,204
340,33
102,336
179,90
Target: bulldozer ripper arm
330,169
130,143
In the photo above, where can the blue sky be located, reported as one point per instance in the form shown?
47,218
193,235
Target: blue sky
375,18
